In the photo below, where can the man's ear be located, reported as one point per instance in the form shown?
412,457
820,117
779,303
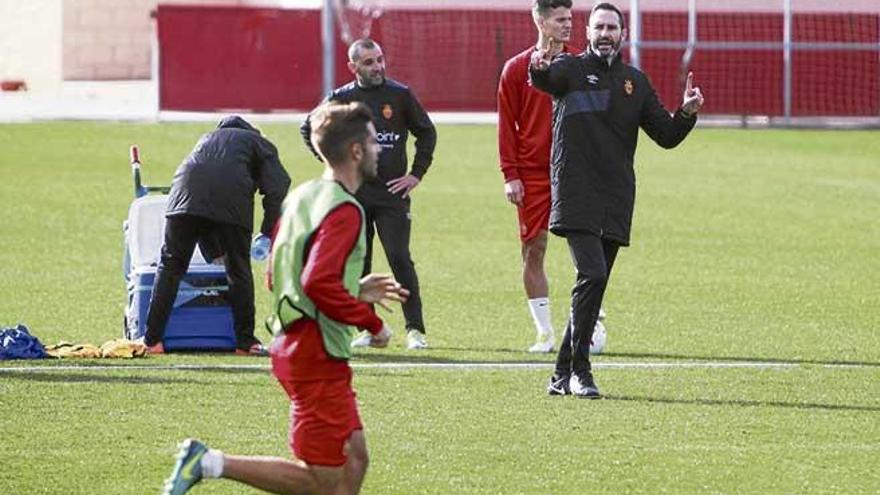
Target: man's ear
623,34
357,151
539,22
352,67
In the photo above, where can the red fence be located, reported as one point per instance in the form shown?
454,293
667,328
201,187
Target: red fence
270,59
213,58
750,82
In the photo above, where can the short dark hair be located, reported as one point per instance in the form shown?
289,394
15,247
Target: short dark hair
358,45
608,6
335,126
543,7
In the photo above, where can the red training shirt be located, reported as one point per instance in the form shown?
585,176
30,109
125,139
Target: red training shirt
301,348
525,117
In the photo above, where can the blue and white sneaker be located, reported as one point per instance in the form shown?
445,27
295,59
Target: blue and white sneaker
188,469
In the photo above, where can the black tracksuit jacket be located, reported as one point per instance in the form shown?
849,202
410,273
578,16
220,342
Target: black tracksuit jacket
597,112
396,113
220,176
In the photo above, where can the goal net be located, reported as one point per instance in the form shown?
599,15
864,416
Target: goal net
451,51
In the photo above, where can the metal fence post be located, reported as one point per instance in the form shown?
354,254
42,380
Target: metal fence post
786,61
691,43
635,34
328,48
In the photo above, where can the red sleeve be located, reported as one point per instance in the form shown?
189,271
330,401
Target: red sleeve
509,102
322,275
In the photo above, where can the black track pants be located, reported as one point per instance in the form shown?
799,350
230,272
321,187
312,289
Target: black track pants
393,224
182,233
593,259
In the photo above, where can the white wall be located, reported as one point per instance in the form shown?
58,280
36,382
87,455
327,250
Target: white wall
30,43
107,40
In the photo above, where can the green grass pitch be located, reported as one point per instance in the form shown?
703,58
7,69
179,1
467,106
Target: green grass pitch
748,247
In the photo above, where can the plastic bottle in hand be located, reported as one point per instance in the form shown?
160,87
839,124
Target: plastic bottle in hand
260,247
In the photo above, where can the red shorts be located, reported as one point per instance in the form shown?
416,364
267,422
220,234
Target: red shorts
534,215
323,415
323,408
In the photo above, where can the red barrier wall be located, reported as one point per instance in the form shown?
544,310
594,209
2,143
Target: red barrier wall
214,58
262,59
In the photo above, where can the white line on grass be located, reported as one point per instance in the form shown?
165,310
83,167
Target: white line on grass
441,366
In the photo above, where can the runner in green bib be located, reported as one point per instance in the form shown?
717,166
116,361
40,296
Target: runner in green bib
317,259
304,210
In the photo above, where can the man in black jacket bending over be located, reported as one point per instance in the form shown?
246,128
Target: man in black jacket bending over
599,103
211,203
386,199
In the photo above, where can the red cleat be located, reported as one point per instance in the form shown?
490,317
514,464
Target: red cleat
156,349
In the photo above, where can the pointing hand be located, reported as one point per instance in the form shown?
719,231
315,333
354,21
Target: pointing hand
693,98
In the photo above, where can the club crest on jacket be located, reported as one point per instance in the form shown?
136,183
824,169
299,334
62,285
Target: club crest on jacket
628,87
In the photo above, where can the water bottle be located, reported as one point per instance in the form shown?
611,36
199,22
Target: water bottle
260,247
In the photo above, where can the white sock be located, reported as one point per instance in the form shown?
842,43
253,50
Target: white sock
540,309
212,464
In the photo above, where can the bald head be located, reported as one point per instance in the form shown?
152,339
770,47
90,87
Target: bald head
367,62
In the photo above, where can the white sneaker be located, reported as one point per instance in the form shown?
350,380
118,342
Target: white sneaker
416,340
363,341
544,343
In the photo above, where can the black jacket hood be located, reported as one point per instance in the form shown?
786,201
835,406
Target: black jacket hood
218,179
236,122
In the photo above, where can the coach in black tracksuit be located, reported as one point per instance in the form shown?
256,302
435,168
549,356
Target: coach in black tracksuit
386,199
599,103
211,203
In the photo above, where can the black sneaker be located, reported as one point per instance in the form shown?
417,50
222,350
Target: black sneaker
584,387
558,385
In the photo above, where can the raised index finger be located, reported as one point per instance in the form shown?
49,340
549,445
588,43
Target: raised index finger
689,85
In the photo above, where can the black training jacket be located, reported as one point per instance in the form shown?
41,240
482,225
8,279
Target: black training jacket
597,112
220,176
396,113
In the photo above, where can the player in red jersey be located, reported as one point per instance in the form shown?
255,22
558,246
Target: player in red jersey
524,141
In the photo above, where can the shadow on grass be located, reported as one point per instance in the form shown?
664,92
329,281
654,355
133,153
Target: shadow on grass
421,357
743,359
498,350
520,356
745,403
90,377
